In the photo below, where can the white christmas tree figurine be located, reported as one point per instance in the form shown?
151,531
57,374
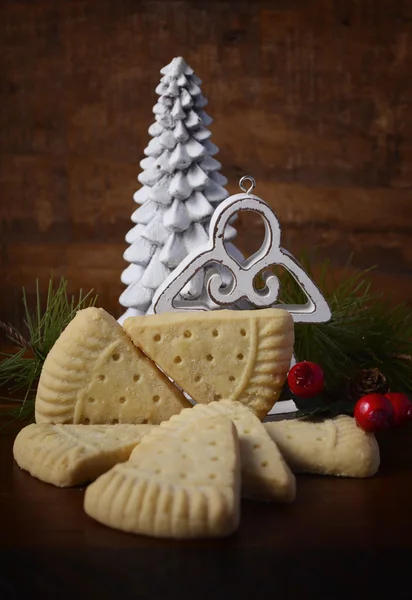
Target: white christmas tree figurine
181,188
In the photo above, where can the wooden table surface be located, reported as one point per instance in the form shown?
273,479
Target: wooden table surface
341,538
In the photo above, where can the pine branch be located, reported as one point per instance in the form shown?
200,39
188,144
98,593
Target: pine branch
14,335
401,356
21,372
366,331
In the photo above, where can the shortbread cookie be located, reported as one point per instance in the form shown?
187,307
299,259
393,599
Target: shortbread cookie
265,474
177,486
67,455
95,374
237,355
332,447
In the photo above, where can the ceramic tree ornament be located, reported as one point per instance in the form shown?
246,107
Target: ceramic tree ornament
181,187
240,285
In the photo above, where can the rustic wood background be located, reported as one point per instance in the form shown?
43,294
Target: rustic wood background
314,99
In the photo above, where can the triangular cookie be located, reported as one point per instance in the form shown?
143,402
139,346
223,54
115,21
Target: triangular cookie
238,355
95,374
177,486
265,474
332,447
67,455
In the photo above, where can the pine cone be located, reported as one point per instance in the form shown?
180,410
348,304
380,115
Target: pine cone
367,381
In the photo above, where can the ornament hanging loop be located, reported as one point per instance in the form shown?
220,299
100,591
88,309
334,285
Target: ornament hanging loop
252,184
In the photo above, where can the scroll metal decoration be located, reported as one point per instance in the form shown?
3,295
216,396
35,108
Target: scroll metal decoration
243,275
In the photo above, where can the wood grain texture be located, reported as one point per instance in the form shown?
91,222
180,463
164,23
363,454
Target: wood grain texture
311,98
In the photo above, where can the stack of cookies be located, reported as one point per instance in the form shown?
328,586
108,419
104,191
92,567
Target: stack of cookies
112,408
98,372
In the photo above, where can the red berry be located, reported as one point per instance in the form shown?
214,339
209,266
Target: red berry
306,379
374,412
402,407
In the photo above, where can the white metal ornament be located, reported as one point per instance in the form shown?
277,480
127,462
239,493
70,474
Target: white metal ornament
239,290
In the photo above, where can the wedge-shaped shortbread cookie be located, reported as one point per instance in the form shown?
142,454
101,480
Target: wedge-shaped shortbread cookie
237,355
184,485
265,474
331,447
95,374
67,455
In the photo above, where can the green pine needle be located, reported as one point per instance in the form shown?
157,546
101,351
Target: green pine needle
366,331
21,370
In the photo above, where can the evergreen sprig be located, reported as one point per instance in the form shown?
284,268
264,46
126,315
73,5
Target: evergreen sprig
21,370
366,331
